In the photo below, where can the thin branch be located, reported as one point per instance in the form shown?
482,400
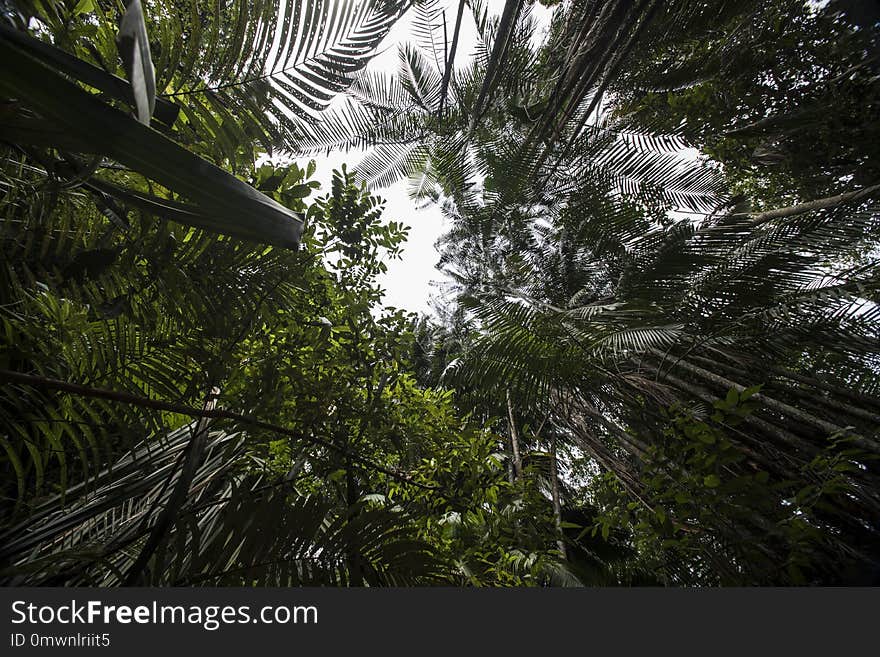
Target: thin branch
183,409
809,206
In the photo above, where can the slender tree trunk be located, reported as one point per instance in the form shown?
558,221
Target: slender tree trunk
589,443
803,451
818,424
554,491
450,58
853,396
352,495
514,439
506,24
838,408
778,434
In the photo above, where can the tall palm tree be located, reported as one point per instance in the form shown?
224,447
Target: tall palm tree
597,303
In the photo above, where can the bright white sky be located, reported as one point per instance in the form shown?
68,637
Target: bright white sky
409,282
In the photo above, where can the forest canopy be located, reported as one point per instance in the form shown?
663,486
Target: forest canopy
656,360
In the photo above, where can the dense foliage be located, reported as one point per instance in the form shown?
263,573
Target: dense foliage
657,361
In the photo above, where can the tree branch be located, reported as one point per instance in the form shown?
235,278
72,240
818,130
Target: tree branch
183,409
808,206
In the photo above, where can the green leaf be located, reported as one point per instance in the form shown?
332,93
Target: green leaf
300,191
336,475
711,481
705,436
750,391
84,7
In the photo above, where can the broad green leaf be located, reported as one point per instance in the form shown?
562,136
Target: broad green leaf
84,7
750,391
732,398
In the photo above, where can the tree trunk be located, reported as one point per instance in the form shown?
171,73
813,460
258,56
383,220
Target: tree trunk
506,24
450,58
554,491
352,495
818,424
853,396
777,434
838,408
514,439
